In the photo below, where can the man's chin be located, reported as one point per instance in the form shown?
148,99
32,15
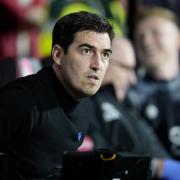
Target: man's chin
91,91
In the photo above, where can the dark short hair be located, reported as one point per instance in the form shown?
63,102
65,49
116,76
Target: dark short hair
66,27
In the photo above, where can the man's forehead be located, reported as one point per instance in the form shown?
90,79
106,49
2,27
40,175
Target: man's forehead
92,38
152,20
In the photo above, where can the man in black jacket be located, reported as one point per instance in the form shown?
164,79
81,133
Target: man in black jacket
35,111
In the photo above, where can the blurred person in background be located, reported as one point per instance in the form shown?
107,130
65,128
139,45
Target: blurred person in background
114,126
157,94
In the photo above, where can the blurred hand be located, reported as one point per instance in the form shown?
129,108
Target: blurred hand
168,169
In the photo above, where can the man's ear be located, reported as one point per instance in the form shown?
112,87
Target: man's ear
57,53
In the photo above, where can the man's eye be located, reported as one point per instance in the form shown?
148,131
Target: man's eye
86,51
106,55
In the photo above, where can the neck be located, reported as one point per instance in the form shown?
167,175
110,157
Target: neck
59,76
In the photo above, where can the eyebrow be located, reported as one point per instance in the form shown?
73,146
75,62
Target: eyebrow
92,47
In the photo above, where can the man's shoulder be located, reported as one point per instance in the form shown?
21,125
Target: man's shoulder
16,93
24,89
29,81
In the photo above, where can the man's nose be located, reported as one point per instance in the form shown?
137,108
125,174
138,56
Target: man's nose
96,62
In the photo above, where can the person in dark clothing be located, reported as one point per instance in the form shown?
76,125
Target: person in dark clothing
35,111
119,128
157,94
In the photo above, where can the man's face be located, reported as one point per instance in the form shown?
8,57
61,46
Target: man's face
84,65
157,41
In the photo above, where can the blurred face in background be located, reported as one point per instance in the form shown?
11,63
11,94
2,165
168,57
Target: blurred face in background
120,72
157,41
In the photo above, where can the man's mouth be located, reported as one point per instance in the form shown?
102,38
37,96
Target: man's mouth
96,77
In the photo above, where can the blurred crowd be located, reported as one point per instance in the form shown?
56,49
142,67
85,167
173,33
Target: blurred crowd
137,108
